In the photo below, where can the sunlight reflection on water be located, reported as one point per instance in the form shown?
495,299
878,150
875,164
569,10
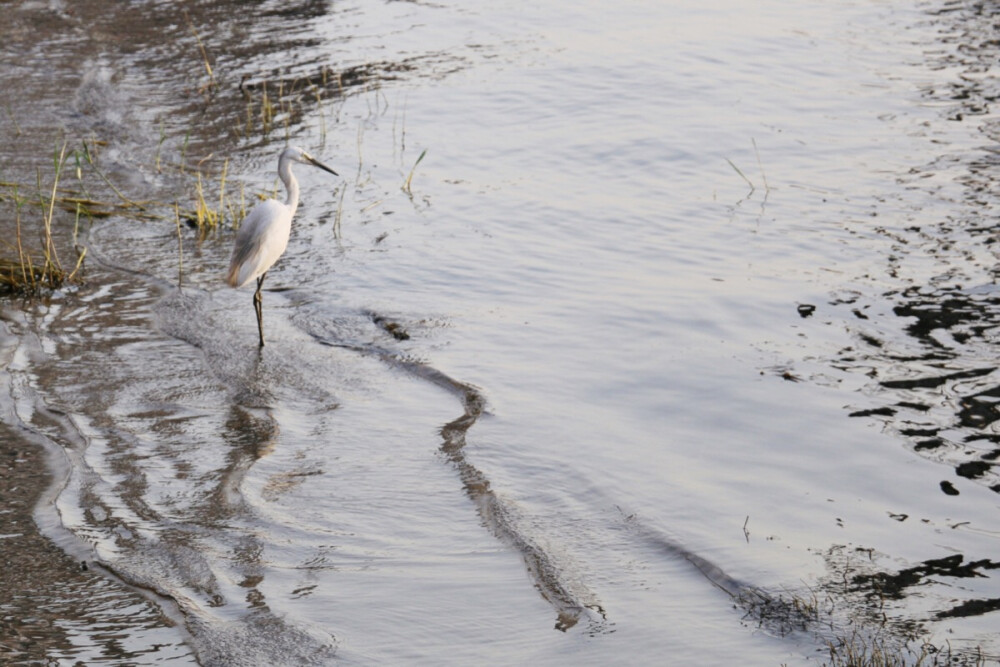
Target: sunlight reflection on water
617,218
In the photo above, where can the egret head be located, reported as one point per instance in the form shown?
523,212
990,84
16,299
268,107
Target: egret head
296,154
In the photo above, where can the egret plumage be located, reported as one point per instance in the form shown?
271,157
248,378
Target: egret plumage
263,236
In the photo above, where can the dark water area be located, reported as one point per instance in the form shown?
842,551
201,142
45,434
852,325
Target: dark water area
928,343
947,314
627,332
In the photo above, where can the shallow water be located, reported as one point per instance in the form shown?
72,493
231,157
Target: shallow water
688,313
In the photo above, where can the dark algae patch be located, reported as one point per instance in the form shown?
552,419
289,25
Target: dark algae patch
933,348
973,469
935,381
894,586
394,329
971,608
949,488
873,412
925,348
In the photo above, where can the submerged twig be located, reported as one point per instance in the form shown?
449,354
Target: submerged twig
742,175
79,263
767,188
201,47
97,170
180,245
409,179
340,211
10,114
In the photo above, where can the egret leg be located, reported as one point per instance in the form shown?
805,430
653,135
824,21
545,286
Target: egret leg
258,307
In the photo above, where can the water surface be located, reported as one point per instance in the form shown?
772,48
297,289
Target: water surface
687,308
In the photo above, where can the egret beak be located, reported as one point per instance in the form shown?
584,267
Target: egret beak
316,163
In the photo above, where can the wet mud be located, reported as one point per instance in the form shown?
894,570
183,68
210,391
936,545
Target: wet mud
57,600
42,584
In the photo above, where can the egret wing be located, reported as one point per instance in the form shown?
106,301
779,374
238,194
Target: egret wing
249,257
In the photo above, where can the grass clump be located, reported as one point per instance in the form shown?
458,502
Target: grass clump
28,266
29,270
859,650
852,637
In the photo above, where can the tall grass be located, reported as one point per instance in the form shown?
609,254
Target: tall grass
269,102
27,267
29,273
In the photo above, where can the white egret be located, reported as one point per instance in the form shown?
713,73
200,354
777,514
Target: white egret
263,235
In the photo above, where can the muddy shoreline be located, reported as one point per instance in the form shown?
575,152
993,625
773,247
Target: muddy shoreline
41,585
54,600
33,570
